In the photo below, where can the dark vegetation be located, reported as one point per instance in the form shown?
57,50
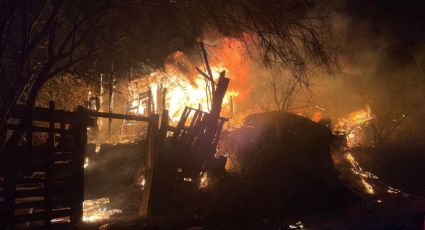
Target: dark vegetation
44,38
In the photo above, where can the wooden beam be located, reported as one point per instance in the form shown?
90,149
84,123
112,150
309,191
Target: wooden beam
49,167
118,116
80,145
44,114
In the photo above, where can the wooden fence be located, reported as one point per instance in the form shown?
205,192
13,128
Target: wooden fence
42,177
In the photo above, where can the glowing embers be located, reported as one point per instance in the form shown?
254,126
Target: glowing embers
297,226
61,220
392,190
369,183
352,124
201,182
86,162
368,187
141,182
364,175
97,210
204,181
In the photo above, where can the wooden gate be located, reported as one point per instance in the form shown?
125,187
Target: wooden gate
42,177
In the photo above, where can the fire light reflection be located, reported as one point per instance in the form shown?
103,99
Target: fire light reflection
364,175
96,210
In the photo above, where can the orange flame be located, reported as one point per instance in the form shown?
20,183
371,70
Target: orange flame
189,88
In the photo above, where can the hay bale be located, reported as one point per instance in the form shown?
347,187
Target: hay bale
286,158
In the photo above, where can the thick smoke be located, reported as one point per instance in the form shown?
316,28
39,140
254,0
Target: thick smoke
381,56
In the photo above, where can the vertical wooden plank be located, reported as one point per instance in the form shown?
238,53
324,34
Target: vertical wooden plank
181,123
164,123
218,133
214,116
10,189
164,99
80,145
111,95
194,126
49,166
151,159
163,131
29,148
149,105
28,133
149,145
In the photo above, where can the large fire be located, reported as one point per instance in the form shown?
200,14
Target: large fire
352,124
179,91
177,88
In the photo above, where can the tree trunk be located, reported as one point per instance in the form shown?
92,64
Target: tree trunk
30,103
9,103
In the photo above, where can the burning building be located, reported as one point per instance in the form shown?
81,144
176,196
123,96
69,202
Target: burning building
211,110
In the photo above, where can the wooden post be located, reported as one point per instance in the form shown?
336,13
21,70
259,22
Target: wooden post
164,99
149,105
111,94
218,95
151,159
80,145
10,189
164,122
181,123
213,119
49,166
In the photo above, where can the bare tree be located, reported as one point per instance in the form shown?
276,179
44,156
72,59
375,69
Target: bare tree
392,106
48,37
284,91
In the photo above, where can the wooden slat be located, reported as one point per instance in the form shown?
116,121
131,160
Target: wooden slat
40,166
30,180
40,153
60,203
222,118
171,128
181,123
26,180
38,128
30,193
57,191
41,215
44,114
